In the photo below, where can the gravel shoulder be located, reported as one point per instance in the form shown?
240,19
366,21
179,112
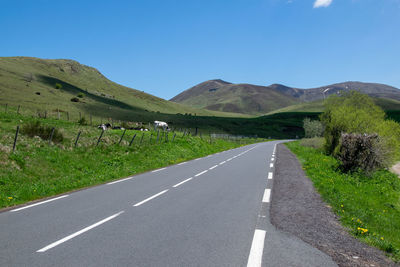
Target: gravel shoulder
296,208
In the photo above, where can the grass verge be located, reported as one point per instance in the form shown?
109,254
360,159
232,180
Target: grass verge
38,169
368,206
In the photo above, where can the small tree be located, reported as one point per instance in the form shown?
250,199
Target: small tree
312,128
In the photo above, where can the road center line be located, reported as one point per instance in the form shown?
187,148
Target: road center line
159,170
201,173
182,163
222,162
52,245
257,248
184,181
270,175
213,167
150,198
39,203
267,195
120,180
271,165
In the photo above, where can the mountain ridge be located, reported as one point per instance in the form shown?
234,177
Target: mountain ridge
259,99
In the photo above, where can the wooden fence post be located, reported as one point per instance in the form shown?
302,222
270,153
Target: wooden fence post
15,138
77,138
133,138
19,106
51,135
141,139
80,116
122,136
6,107
67,116
173,138
101,135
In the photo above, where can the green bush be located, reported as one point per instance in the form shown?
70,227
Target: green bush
312,128
80,95
356,113
58,86
33,129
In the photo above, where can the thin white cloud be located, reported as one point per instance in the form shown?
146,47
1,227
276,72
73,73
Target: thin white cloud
322,3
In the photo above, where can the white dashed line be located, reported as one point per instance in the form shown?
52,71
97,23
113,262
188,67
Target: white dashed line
270,175
197,159
182,163
222,162
257,248
159,170
178,184
203,172
229,159
150,198
126,179
267,194
52,245
271,165
39,203
213,167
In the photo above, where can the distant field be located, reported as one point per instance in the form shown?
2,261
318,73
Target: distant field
318,106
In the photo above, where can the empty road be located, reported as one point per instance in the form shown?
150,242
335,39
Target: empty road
212,211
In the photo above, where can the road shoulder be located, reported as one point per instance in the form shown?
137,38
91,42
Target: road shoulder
296,208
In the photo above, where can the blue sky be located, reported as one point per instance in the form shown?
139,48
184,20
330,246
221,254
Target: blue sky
164,47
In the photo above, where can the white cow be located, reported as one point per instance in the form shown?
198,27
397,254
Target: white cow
160,124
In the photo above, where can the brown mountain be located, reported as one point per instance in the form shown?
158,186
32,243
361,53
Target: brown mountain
254,99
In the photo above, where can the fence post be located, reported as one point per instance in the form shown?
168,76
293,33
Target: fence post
101,135
91,120
195,133
19,106
45,114
158,135
151,135
173,138
133,138
77,138
122,136
166,137
67,115
80,116
51,135
141,139
15,138
6,107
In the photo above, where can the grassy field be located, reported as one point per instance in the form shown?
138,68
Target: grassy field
368,206
38,169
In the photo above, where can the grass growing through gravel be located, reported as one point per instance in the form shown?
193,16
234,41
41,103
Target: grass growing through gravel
37,169
368,206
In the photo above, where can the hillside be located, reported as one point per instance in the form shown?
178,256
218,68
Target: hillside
257,100
43,84
241,98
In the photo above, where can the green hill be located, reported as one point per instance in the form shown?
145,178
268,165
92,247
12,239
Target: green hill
43,84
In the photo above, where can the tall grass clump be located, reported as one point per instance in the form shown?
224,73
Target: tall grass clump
356,113
35,128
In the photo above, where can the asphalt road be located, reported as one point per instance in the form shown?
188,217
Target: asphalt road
213,211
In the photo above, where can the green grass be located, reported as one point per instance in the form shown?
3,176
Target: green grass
368,206
37,169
